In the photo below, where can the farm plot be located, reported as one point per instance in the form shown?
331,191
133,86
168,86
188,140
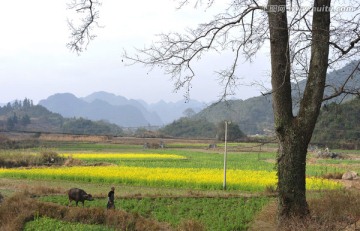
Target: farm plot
177,177
191,178
223,213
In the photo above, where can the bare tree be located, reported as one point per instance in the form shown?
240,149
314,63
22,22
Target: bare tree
305,40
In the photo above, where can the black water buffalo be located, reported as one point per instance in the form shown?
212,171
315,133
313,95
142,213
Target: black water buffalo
77,195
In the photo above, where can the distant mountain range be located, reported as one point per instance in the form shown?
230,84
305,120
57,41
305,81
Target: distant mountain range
118,109
254,115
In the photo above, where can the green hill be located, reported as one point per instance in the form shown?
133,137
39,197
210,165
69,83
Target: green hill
254,115
189,127
25,116
339,123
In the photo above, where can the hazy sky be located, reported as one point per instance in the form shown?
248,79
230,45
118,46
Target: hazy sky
35,63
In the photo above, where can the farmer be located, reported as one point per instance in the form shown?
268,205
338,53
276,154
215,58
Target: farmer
111,198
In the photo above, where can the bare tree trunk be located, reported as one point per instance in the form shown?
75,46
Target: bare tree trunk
294,133
291,164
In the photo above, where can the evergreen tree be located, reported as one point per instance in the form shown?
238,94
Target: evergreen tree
25,120
233,132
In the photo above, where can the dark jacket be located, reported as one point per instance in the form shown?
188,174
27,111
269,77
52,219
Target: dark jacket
111,198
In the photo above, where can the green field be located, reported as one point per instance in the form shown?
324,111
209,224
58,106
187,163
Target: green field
170,198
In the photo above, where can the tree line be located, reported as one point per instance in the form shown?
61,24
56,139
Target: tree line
23,115
188,127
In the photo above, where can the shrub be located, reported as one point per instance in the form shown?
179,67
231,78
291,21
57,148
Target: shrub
13,159
70,161
336,175
51,157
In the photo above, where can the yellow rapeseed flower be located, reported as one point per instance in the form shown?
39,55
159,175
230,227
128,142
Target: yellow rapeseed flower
206,178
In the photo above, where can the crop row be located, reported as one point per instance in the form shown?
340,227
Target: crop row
122,156
205,178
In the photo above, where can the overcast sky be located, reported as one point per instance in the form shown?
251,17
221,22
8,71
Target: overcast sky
35,63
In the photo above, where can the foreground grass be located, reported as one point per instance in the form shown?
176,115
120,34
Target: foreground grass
227,213
183,209
331,210
49,224
21,208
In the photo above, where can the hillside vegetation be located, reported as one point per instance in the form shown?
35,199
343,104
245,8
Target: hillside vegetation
190,127
254,115
187,127
25,116
337,123
340,124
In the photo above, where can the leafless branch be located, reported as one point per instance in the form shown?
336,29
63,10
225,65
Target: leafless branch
241,30
350,47
343,88
197,3
344,40
81,34
175,53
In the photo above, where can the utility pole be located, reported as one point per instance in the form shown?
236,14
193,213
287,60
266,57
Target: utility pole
225,154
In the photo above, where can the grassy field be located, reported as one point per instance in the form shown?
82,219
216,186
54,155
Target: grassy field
179,186
49,224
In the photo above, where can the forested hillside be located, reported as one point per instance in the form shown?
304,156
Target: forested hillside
254,115
339,123
187,127
25,116
190,127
